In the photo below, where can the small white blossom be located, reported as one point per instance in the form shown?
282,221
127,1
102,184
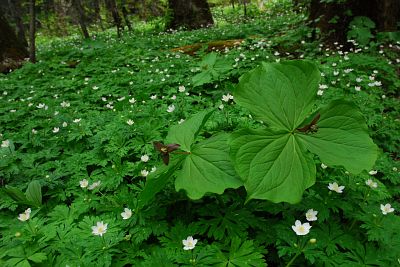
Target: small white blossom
386,209
323,86
189,243
373,172
173,97
320,92
95,87
153,97
181,89
144,173
34,131
65,104
5,143
153,169
171,108
65,124
358,80
323,166
25,216
94,185
227,97
130,122
357,88
335,187
132,100
181,121
56,130
100,229
301,229
311,215
41,105
84,183
371,183
126,214
144,158
76,120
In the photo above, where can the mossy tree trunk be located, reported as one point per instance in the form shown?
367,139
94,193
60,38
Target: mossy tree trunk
12,50
32,31
77,4
333,19
190,14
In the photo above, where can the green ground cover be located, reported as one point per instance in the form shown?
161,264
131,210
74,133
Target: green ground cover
77,131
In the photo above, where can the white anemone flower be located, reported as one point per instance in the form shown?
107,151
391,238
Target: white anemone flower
189,243
301,229
126,214
311,215
335,187
99,229
386,209
25,216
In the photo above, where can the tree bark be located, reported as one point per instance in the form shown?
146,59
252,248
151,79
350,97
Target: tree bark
125,15
96,5
190,14
81,17
385,14
12,50
32,31
15,7
111,5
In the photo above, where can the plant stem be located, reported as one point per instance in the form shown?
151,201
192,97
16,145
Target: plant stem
293,259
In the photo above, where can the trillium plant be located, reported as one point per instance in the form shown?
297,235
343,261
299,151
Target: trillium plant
274,162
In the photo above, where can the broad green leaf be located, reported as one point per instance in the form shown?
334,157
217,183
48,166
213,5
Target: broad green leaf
342,138
16,194
207,169
34,193
184,134
280,94
38,257
156,181
273,165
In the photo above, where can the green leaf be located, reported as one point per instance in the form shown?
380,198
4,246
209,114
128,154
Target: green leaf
34,193
184,134
207,169
16,194
342,138
38,257
280,94
156,181
273,165
241,254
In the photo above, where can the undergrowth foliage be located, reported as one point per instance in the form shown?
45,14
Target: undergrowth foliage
275,151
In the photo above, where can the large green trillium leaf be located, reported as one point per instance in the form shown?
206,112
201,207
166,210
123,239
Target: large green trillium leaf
184,134
207,169
274,166
280,94
342,138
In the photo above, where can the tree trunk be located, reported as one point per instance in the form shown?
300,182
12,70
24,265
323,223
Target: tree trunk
125,15
233,4
81,17
96,5
245,7
15,7
32,31
12,51
190,14
334,18
111,5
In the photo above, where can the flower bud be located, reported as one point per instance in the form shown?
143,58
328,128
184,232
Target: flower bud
312,241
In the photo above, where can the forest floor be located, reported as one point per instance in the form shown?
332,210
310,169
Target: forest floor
77,132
